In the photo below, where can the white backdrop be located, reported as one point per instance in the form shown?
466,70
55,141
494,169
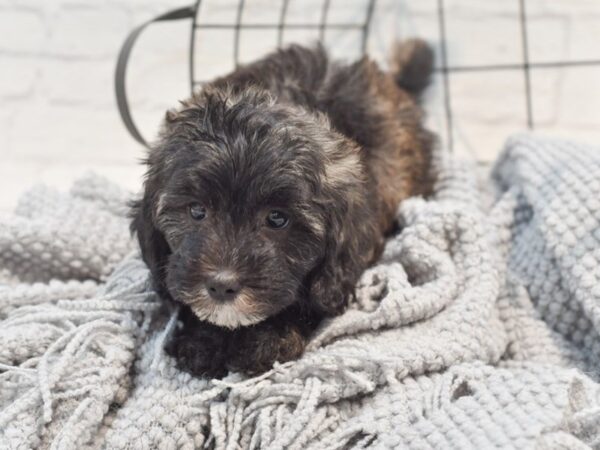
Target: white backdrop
58,116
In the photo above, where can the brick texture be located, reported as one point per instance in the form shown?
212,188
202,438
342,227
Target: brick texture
58,113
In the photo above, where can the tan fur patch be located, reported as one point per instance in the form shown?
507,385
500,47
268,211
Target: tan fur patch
161,203
342,170
314,223
240,312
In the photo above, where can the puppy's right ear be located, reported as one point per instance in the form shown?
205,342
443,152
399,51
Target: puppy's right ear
154,247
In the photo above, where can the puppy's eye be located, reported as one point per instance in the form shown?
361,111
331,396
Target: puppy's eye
277,220
197,211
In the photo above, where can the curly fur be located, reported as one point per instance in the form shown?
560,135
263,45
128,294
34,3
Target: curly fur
336,146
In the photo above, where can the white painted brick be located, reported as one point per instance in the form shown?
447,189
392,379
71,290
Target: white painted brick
65,120
23,30
345,44
48,133
223,12
139,5
127,174
410,7
291,36
487,107
481,142
563,7
214,55
261,11
565,29
477,37
255,44
347,11
433,101
584,37
545,89
86,82
402,20
579,97
149,121
162,38
6,131
18,77
305,11
158,73
15,178
491,97
479,8
548,38
167,87
88,31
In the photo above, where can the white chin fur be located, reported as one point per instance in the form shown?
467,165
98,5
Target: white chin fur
228,316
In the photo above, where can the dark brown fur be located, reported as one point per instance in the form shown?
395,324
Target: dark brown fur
335,146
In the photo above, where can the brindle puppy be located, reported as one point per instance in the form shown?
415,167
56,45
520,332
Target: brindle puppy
271,190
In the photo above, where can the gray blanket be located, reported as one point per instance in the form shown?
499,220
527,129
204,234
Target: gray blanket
478,328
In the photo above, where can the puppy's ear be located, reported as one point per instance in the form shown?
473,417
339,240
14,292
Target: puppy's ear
154,247
351,243
331,286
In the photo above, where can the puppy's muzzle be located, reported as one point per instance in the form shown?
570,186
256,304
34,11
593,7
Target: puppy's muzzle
223,286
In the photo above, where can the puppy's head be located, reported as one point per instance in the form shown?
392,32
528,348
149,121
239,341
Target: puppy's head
250,206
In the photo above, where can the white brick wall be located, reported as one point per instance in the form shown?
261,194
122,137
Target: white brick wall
57,109
58,113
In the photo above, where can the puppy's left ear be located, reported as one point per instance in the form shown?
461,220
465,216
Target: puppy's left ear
331,286
350,244
154,247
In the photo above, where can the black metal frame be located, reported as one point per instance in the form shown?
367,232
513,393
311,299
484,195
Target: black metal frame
193,12
526,66
281,26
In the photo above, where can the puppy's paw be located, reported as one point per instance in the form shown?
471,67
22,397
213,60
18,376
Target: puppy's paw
255,349
198,352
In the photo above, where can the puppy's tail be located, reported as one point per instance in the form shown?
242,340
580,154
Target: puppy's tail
411,63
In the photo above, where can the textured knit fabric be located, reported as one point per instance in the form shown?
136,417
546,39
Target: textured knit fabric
478,328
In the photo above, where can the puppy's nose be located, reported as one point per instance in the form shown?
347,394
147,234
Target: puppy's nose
223,286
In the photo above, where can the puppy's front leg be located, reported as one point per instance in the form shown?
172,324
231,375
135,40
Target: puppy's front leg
199,347
253,350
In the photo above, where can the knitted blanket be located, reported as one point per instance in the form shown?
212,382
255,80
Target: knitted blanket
478,328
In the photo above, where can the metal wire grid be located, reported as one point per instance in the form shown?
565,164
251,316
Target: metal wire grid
526,66
281,26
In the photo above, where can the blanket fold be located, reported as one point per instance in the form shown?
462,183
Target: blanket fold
479,327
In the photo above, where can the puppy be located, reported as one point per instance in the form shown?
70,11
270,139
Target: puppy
270,191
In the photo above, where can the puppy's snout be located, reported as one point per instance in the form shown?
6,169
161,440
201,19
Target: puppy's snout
223,286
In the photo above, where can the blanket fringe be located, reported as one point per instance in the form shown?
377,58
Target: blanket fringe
95,335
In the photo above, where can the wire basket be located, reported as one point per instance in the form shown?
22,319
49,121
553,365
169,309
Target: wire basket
225,33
